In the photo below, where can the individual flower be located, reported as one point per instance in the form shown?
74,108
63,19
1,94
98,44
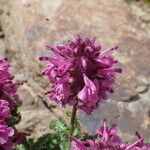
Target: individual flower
6,134
4,109
88,96
60,91
89,93
108,135
90,72
107,139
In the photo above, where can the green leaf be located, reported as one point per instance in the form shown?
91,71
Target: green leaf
12,120
65,145
76,131
147,140
20,147
15,116
58,140
59,126
47,142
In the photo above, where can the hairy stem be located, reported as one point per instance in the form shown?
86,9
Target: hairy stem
73,118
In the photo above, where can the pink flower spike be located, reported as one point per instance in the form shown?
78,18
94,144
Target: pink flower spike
91,72
89,92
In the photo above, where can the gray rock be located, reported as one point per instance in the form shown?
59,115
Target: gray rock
2,47
142,88
1,34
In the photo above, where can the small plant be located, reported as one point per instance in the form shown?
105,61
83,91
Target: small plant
57,140
81,75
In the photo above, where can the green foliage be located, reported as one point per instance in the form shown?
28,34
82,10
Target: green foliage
20,147
62,131
147,140
48,141
57,140
14,118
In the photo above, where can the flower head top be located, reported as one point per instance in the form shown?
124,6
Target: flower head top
80,71
107,139
108,134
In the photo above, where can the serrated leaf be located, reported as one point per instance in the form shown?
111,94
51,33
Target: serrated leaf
65,145
59,126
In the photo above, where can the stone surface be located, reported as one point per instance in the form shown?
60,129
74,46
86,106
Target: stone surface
2,47
28,25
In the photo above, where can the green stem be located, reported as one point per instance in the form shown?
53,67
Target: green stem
73,118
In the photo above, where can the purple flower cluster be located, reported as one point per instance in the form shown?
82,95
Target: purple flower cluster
80,72
8,102
107,139
5,132
8,89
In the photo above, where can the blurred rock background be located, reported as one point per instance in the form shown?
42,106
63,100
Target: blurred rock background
27,25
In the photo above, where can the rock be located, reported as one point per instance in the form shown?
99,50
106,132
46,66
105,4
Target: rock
2,47
1,34
146,18
142,88
30,25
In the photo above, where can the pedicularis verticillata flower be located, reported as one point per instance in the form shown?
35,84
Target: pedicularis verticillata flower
107,139
8,88
9,100
80,72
